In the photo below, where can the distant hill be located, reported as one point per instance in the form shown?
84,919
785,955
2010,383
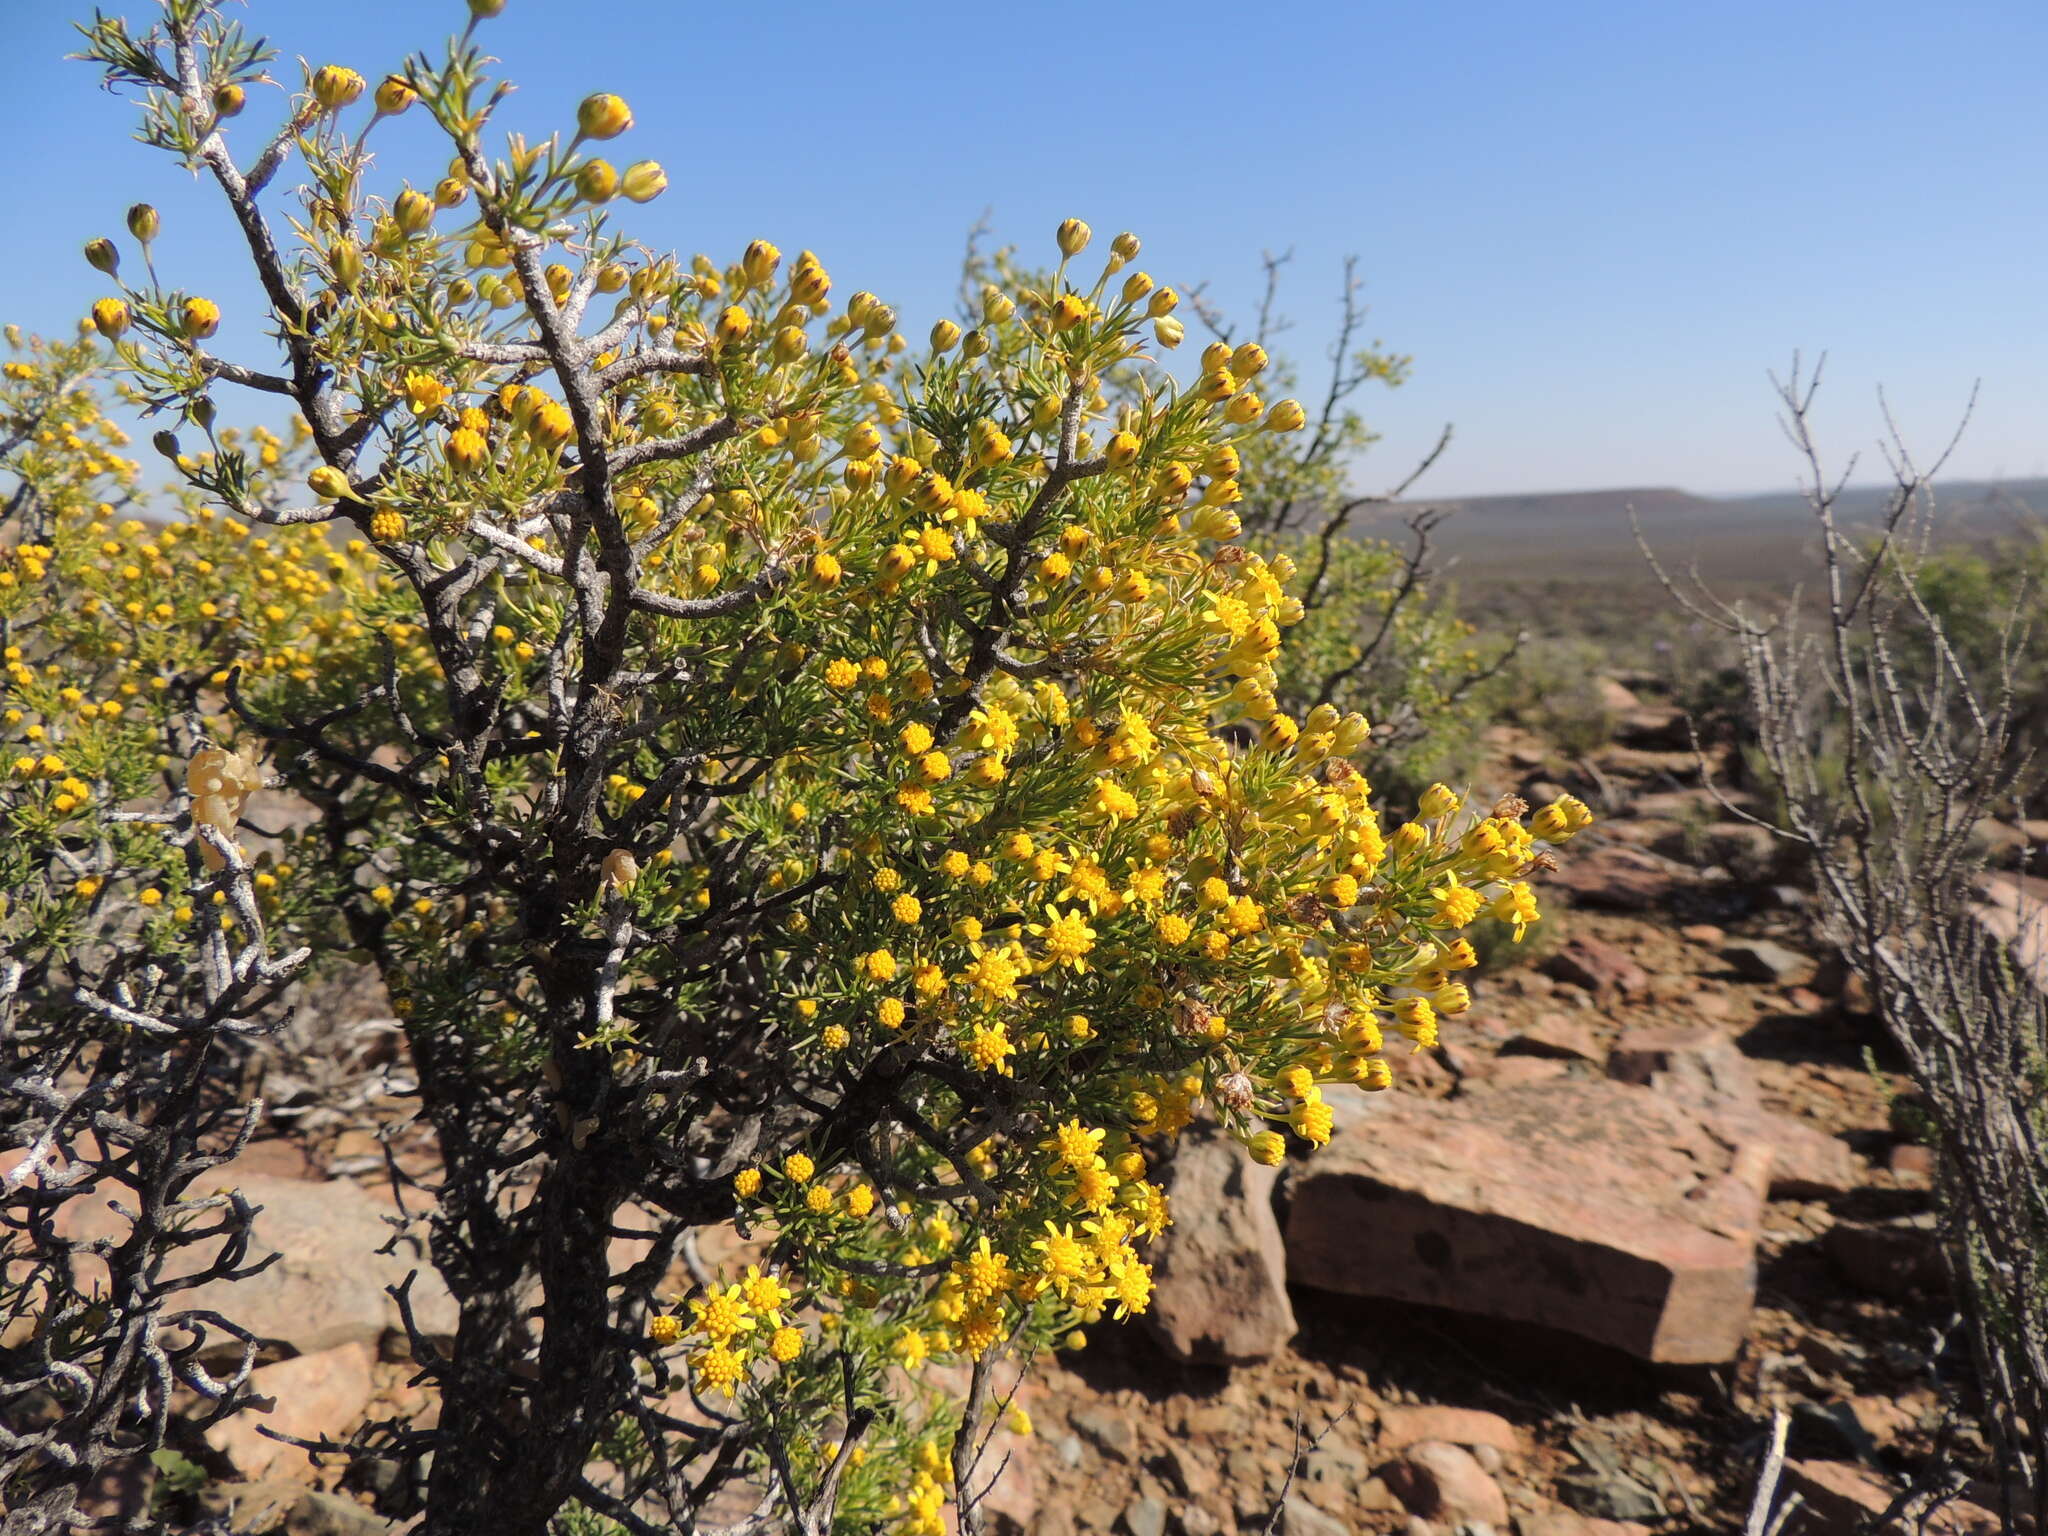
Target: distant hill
1561,535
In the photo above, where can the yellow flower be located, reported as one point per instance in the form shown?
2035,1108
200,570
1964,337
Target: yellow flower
424,394
199,318
785,1344
747,1183
110,318
798,1167
1067,938
394,96
1456,905
664,1328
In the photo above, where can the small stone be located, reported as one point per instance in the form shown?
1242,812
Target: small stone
1555,1034
1490,1458
1769,962
1470,1427
1298,1517
1110,1430
328,1514
1598,967
1894,1259
1700,933
1441,1481
1911,1160
1806,1162
1145,1517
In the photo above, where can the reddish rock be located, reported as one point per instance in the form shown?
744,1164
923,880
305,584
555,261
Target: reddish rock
1703,933
1911,1160
2015,910
1442,1482
1590,1207
314,1396
327,1287
1490,1072
1769,962
1806,1162
1709,1003
1839,1498
1624,879
1700,1068
1556,1034
1599,967
1220,1271
1616,698
1469,1427
1895,1259
1563,1522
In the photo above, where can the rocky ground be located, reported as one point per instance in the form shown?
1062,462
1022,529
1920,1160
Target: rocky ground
1658,1185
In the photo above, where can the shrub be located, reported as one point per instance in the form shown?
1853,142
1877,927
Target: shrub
784,777
1885,740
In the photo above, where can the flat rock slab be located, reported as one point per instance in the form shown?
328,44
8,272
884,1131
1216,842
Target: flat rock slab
1591,1207
328,1285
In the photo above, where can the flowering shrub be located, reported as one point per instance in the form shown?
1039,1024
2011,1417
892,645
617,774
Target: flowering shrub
784,776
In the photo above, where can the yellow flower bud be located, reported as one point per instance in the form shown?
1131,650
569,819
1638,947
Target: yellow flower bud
394,96
1124,247
826,570
228,100
1069,310
412,211
110,318
733,325
944,334
328,483
597,182
1168,331
468,449
996,306
484,10
1286,416
449,192
200,318
1163,303
645,181
345,261
1122,450
1248,360
335,87
1243,410
102,257
1136,286
1268,1149
386,526
143,222
808,281
603,116
759,262
1073,237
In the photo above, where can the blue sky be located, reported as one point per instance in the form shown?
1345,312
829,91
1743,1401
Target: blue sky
1596,226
